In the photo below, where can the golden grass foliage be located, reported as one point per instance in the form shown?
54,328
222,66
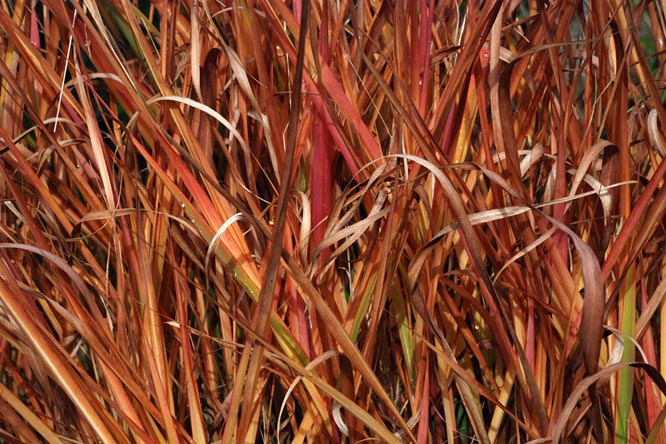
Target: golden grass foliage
332,221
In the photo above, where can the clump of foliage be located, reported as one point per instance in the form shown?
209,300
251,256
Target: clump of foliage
332,221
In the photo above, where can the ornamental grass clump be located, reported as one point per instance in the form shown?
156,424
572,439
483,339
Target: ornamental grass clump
332,222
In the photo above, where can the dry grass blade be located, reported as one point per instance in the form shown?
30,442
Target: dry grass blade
51,353
559,428
332,221
250,380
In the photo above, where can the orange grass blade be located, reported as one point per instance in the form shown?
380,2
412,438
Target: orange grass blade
52,354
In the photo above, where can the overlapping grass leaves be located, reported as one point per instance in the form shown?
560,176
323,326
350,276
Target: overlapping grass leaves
467,245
